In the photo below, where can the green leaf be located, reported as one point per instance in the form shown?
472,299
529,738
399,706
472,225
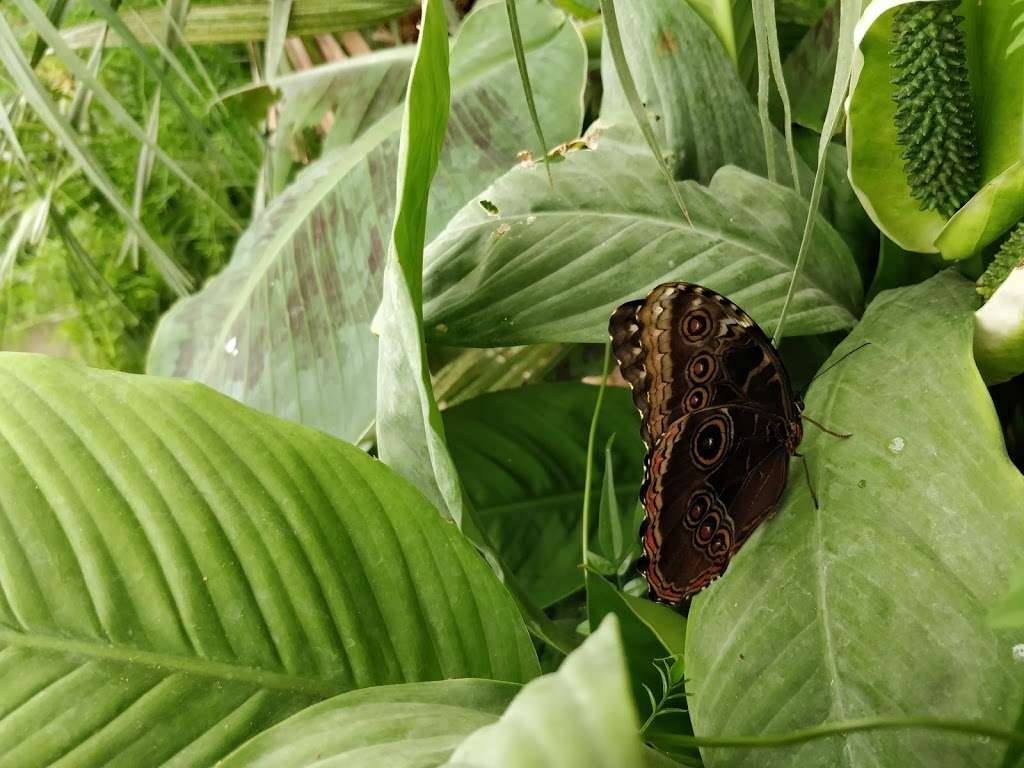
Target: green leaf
615,531
179,572
703,114
994,209
999,327
579,717
1009,610
875,604
416,725
876,168
410,434
286,326
522,457
245,22
809,69
554,263
642,644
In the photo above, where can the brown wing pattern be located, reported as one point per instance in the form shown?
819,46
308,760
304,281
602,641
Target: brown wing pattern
719,420
711,479
686,347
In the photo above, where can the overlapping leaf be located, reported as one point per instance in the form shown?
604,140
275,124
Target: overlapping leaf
705,116
552,264
875,603
416,725
522,457
179,572
578,717
285,327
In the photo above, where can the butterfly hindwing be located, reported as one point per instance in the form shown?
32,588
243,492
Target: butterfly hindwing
711,480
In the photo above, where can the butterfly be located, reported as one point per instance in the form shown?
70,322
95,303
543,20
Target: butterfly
720,421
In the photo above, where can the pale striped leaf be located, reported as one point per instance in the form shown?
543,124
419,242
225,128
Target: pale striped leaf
285,327
415,725
178,572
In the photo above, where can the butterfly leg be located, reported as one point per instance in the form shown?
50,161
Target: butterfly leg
823,428
807,475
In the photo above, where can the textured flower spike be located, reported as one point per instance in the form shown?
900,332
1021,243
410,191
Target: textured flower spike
934,117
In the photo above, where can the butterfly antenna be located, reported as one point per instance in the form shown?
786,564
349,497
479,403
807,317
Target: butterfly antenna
807,474
826,430
826,370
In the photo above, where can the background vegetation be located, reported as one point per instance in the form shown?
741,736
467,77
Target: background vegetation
392,236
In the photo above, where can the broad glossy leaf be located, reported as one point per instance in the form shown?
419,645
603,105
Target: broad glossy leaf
415,725
555,262
285,327
179,572
875,603
876,167
522,457
578,717
705,116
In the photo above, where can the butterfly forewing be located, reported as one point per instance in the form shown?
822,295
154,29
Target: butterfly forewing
700,367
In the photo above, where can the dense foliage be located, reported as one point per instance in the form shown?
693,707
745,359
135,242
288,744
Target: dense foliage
374,502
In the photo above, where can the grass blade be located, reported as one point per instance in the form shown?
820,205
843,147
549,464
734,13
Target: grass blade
524,74
849,13
87,79
37,97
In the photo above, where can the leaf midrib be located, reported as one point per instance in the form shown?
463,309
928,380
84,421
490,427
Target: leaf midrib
220,670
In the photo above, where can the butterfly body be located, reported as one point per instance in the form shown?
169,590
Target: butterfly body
720,421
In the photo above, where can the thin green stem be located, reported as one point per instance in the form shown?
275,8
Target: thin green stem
849,14
524,75
591,439
801,736
611,25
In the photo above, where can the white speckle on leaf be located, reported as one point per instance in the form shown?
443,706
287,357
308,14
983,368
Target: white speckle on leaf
502,230
530,219
231,346
1018,652
441,328
897,444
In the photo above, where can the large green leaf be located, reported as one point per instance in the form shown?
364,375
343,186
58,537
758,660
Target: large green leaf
522,457
579,717
554,262
416,725
705,117
285,327
178,572
875,603
876,166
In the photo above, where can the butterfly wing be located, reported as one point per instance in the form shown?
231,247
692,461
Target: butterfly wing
703,371
686,347
711,479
